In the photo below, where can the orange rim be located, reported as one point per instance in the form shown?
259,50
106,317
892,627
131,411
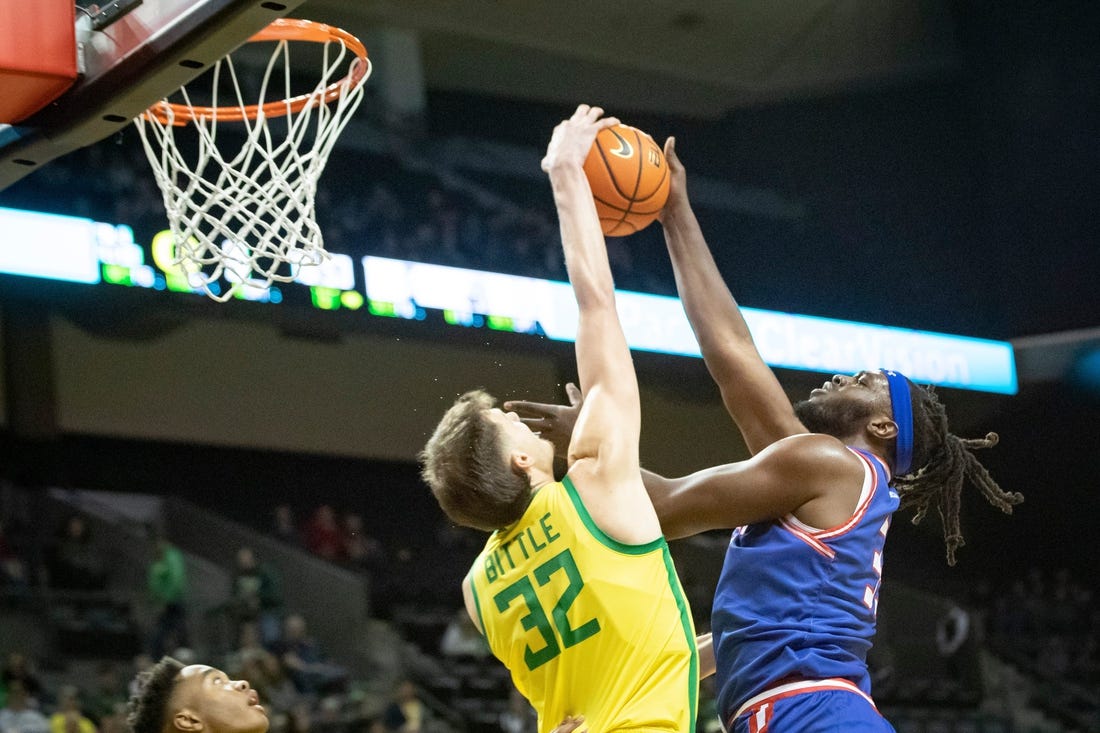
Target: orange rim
283,29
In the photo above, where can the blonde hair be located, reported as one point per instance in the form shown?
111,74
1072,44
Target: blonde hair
465,466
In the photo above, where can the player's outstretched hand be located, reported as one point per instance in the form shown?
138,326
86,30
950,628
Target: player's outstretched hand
573,138
552,422
570,723
677,188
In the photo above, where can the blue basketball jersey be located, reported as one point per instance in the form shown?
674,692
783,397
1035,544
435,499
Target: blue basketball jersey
796,602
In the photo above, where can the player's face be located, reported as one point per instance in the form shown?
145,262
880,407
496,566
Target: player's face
517,435
843,405
221,704
868,386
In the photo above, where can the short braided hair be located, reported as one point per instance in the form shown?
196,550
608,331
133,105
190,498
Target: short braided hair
148,707
942,463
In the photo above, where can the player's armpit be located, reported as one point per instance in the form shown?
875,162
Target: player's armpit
470,602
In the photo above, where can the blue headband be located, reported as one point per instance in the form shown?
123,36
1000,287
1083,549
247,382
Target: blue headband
902,405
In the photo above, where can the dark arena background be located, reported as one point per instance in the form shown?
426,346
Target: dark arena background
925,165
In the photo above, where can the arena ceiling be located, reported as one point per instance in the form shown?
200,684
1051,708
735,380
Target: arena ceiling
998,140
695,58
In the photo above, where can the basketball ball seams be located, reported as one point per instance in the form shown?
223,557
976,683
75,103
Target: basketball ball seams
624,158
660,184
641,168
608,165
632,210
615,182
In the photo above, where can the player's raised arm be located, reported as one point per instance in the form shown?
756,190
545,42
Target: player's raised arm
750,391
606,434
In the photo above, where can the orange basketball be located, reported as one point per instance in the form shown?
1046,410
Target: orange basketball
629,178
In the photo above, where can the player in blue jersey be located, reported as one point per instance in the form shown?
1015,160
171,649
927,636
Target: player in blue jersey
794,610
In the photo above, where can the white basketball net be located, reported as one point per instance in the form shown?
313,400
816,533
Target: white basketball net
246,215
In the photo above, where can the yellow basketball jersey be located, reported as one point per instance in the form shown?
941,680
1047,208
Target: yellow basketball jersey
587,625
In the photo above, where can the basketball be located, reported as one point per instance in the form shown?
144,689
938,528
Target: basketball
629,178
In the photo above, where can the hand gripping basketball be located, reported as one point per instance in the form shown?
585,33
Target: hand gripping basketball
572,138
629,177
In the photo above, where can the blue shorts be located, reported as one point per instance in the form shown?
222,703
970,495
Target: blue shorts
817,711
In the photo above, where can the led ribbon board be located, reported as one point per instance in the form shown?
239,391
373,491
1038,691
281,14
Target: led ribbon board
81,250
658,323
49,246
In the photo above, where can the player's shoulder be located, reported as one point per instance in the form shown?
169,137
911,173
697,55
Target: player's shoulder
811,445
612,506
813,452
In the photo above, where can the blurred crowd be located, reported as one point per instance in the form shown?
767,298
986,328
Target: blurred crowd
1044,622
67,576
99,704
1050,622
401,213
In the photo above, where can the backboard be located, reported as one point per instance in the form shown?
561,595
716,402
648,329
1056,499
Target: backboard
134,60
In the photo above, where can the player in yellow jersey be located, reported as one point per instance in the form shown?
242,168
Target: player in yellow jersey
575,590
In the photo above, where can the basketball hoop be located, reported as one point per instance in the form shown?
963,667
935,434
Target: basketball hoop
244,213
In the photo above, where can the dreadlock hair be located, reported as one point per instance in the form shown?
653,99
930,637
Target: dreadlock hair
467,470
942,462
148,707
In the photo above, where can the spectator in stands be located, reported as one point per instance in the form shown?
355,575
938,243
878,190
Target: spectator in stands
107,693
304,660
1011,623
323,537
363,551
383,221
116,721
462,639
330,715
519,716
252,662
167,583
18,716
1064,615
1086,660
69,718
406,713
13,569
254,596
445,219
299,719
19,669
75,563
1036,603
1053,660
142,664
285,527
